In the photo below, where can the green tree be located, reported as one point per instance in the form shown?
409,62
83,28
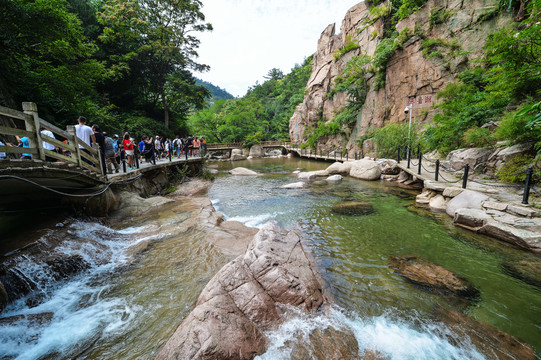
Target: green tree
157,40
45,57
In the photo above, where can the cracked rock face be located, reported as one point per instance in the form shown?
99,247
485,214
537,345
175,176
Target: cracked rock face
243,299
410,73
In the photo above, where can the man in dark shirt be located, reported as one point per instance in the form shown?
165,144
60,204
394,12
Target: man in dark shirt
100,140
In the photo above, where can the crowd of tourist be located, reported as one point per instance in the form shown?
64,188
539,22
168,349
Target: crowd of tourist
115,151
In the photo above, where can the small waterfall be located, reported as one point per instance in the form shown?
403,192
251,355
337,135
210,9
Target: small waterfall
388,338
56,296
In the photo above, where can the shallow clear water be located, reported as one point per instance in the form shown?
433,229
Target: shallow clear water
352,253
146,274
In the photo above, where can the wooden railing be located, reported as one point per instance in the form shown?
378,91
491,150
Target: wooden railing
33,123
225,145
240,144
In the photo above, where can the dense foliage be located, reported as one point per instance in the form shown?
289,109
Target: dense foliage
504,88
125,65
262,114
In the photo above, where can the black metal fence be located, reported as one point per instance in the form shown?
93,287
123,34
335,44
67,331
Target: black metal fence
528,186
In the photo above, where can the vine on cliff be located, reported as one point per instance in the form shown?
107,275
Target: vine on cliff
504,88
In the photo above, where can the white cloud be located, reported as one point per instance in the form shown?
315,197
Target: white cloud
250,37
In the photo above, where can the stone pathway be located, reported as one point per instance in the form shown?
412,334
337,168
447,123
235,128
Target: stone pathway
496,190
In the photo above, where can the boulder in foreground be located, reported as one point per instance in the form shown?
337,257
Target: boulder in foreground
242,300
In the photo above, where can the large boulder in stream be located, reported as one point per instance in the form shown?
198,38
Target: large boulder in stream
243,299
365,169
340,168
240,171
434,277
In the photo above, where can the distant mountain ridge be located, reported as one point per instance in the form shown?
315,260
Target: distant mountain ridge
217,93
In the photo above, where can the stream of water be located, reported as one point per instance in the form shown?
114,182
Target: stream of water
142,277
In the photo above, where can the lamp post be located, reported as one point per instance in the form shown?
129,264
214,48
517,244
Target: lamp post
407,110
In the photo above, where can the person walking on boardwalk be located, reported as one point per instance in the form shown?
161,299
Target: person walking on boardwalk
48,146
100,140
203,146
110,155
128,148
86,134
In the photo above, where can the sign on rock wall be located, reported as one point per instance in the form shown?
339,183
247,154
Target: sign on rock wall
422,101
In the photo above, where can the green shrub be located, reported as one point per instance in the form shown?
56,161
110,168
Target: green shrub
321,130
389,137
350,45
253,139
431,44
439,15
514,171
478,137
524,125
408,7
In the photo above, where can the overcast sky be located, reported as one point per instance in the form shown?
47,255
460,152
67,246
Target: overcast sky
250,37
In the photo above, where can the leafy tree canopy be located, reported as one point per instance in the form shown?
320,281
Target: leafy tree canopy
262,114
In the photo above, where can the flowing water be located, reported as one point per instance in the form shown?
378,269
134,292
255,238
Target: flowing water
140,279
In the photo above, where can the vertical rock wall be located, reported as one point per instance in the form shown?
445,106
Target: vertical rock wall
410,74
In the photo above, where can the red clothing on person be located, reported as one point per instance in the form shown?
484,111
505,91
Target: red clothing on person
128,145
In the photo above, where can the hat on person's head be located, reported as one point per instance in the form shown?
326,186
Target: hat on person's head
115,136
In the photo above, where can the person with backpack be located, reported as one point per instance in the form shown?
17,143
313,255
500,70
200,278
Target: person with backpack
110,155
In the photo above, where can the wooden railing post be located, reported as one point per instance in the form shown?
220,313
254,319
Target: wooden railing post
96,147
73,133
31,108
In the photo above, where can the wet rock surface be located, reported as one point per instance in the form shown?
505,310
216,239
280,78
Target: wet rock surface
433,277
243,299
3,297
65,266
488,340
353,208
193,187
132,205
328,344
528,271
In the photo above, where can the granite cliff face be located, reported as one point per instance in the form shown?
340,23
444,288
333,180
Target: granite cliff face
410,74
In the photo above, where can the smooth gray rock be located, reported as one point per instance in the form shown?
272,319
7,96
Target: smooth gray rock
365,169
240,171
257,151
466,199
310,175
388,166
519,237
297,185
424,197
237,157
340,168
438,203
473,157
471,218
334,178
452,191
